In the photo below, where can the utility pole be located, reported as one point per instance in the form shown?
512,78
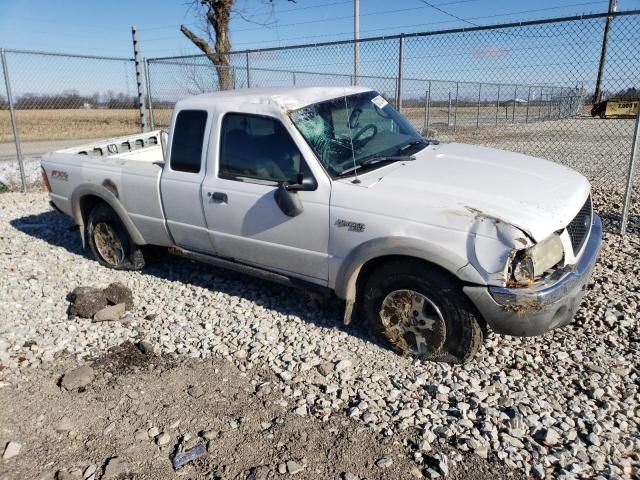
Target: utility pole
139,80
356,38
603,53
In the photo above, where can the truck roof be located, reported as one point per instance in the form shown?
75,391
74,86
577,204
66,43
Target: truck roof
290,98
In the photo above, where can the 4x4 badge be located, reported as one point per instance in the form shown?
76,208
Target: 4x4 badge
352,226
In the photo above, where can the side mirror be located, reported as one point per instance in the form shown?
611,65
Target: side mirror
303,183
288,200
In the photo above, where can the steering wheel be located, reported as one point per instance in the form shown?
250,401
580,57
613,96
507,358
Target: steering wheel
354,118
360,140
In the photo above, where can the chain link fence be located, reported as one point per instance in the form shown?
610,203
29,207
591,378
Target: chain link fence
525,87
59,100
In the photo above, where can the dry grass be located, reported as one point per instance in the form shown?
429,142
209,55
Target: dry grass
64,124
486,116
95,123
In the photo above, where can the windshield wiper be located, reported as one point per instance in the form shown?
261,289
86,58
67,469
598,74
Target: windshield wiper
413,144
376,160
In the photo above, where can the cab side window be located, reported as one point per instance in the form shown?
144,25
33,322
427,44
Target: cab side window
258,147
188,135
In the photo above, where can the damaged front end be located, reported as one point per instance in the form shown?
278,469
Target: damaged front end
531,289
505,255
534,263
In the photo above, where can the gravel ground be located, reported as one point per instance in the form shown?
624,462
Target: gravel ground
566,405
142,408
10,174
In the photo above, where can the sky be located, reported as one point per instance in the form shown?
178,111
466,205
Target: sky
104,27
565,54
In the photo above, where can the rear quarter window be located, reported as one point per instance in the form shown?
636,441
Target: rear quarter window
188,135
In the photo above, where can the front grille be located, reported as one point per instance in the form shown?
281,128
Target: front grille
579,227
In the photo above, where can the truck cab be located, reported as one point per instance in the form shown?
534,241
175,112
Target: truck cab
229,158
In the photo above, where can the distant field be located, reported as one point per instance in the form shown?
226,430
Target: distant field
485,116
64,124
98,123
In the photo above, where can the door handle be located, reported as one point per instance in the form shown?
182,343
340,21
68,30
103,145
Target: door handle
218,196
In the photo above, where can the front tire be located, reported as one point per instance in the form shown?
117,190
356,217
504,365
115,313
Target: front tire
110,242
421,311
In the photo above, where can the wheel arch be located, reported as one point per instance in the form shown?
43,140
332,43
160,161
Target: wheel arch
85,197
365,258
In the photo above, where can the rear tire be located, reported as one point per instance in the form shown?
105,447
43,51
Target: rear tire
110,242
421,312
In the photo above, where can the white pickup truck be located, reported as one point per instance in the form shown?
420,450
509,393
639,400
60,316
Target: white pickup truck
330,188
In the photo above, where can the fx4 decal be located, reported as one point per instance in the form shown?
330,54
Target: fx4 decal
59,175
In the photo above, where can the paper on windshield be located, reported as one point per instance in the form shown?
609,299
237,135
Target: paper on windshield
379,102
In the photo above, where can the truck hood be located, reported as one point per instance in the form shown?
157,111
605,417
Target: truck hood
535,195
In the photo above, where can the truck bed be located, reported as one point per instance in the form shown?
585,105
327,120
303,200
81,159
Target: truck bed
143,147
127,167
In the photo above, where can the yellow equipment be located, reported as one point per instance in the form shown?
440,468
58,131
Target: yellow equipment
620,108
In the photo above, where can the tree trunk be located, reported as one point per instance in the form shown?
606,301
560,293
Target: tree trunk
218,16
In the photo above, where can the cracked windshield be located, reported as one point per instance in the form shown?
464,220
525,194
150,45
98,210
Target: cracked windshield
356,132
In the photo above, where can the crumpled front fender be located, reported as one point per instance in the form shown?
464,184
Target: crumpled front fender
491,246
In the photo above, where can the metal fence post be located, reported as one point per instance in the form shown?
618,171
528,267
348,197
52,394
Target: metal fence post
515,100
248,70
497,105
14,125
572,98
540,104
400,66
455,108
356,37
632,164
138,64
449,112
152,120
526,119
293,78
427,110
479,99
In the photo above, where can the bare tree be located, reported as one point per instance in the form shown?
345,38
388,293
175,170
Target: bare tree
218,14
216,28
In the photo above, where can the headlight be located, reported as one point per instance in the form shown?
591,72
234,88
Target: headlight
530,264
523,270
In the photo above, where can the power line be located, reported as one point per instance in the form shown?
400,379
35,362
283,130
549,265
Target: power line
342,17
350,17
441,22
447,13
435,7
295,9
257,15
485,17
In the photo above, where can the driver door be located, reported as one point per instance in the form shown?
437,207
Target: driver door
253,154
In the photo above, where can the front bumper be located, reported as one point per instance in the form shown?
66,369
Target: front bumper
552,303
